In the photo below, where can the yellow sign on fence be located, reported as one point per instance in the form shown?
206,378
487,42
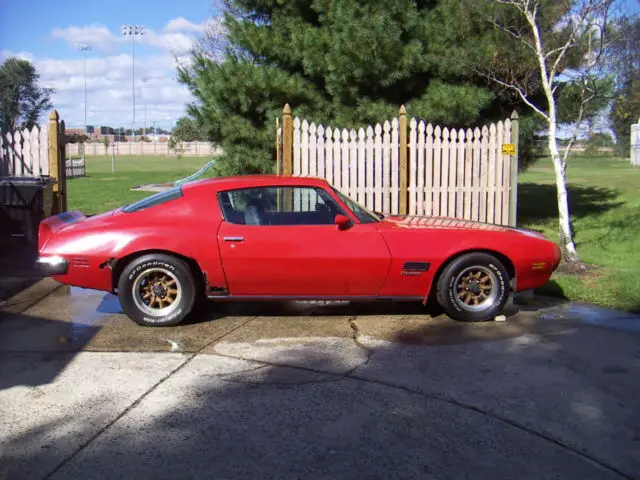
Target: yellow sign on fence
508,148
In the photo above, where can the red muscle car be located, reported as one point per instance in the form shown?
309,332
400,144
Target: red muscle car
276,237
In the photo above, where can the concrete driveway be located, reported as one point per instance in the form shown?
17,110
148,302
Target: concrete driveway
315,391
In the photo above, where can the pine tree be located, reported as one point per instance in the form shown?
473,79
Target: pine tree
346,63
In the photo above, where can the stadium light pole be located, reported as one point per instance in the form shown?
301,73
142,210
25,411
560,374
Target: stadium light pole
133,30
144,131
84,47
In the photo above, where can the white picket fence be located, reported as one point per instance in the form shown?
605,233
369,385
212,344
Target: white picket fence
635,144
455,173
189,149
25,153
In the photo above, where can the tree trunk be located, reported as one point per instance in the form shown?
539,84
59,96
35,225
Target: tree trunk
566,235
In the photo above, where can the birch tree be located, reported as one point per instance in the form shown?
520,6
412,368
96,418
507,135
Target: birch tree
577,41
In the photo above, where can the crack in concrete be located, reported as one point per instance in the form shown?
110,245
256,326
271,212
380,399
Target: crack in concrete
139,400
356,340
247,370
283,384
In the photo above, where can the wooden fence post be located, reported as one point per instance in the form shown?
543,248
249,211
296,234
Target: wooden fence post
404,170
287,141
278,152
513,204
62,148
56,169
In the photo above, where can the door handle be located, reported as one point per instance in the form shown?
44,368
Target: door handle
233,239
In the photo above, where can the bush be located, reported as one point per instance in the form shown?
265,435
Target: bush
600,145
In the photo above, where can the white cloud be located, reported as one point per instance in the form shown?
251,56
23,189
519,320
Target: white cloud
181,24
4,54
175,43
109,74
98,36
109,89
177,37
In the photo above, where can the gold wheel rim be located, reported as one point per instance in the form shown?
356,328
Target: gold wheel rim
159,282
157,292
476,288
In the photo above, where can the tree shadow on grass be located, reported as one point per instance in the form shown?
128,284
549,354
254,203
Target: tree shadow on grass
538,202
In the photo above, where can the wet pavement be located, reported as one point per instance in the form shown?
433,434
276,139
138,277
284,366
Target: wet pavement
313,390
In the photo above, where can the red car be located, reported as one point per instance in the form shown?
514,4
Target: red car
275,237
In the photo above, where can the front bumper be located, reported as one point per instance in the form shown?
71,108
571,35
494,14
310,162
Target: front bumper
53,265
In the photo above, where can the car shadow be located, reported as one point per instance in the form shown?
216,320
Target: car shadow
210,311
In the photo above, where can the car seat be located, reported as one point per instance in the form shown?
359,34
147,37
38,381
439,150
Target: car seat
254,213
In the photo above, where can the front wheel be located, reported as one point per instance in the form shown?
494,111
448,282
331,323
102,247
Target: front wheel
473,288
156,290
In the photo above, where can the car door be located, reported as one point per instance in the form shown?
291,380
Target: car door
283,241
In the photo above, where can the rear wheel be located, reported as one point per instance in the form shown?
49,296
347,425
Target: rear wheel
474,287
156,290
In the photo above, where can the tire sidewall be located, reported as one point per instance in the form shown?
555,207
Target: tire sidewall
137,267
447,289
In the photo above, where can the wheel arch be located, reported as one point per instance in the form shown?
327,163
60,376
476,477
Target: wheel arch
506,261
118,265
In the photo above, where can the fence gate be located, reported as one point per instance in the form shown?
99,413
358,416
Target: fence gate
413,168
36,156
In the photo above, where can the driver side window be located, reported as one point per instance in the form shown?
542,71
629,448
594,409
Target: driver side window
279,206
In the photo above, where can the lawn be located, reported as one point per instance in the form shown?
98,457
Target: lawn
101,189
604,196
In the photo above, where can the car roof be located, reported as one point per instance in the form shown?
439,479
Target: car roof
247,181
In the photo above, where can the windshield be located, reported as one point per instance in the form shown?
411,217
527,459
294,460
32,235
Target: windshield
364,215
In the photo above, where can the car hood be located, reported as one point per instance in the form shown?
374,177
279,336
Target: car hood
416,222
440,223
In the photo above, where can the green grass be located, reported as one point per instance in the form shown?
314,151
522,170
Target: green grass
604,197
101,189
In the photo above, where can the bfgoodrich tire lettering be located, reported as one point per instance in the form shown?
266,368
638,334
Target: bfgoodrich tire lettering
156,290
474,287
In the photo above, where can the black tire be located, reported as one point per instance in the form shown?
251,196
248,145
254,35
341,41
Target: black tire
464,282
156,275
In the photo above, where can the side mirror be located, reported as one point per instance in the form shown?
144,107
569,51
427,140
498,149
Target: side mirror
379,215
342,221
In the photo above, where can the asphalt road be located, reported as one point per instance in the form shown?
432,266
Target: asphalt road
315,391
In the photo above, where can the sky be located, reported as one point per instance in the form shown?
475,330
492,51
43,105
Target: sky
48,40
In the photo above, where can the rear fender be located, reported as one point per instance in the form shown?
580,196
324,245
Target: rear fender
51,225
201,253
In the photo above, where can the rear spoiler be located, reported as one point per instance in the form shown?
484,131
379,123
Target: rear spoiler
53,224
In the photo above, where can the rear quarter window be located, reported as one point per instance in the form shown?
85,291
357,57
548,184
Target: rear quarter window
153,200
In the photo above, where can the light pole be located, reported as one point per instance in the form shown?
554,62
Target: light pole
144,131
133,30
84,47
